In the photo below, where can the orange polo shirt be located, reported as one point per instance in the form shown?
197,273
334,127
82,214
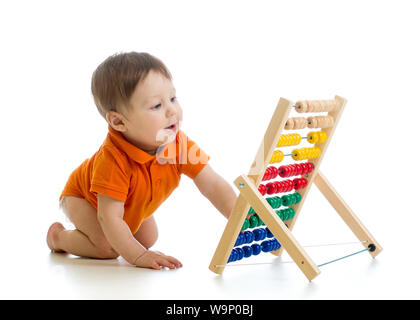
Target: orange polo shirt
142,181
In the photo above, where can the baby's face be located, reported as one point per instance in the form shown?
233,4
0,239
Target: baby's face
155,116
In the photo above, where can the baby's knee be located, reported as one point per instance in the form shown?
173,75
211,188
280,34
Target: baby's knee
104,249
107,253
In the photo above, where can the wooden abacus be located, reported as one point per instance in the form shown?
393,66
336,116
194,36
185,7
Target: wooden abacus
280,223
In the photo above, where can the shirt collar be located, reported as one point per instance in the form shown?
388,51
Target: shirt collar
131,150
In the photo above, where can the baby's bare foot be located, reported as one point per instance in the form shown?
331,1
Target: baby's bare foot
52,236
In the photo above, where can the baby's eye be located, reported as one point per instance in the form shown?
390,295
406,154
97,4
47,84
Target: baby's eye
156,106
173,99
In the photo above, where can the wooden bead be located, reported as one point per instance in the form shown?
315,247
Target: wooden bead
289,124
316,106
302,106
301,123
322,105
312,122
310,106
331,105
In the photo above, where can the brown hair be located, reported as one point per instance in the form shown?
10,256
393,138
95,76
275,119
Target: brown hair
114,80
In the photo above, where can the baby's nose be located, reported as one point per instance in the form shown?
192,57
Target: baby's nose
171,110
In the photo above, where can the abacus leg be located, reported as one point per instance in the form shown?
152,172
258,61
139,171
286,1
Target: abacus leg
229,236
277,227
347,214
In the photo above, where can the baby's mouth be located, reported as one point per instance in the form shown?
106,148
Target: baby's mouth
172,127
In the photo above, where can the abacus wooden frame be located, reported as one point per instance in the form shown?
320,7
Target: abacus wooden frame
250,196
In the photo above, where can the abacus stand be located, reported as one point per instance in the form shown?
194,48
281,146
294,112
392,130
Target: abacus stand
250,196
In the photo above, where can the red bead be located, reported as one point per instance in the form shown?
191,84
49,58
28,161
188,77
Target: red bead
271,173
311,167
290,170
262,189
301,168
270,188
266,175
279,186
282,171
297,183
275,172
305,168
294,172
274,187
305,182
284,186
291,185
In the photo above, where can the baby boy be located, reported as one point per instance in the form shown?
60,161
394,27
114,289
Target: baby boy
111,197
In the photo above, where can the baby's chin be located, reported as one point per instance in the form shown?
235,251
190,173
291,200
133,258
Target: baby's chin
165,136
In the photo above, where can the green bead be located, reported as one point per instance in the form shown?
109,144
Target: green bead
253,221
289,213
299,197
292,213
281,214
278,202
286,200
260,222
296,196
251,210
245,225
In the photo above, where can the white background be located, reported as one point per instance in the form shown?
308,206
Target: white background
231,62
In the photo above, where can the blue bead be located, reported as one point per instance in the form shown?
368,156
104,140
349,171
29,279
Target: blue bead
230,257
256,249
241,239
249,237
263,233
247,251
256,234
266,246
235,255
269,234
240,253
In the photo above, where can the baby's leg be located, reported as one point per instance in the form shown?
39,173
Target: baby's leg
88,239
147,233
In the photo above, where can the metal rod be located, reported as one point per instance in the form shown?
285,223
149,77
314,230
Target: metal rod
349,255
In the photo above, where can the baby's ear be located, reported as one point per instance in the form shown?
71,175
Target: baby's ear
116,121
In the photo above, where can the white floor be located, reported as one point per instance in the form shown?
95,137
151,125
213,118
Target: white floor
30,271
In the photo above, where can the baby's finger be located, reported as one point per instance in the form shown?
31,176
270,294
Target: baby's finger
174,261
166,263
155,265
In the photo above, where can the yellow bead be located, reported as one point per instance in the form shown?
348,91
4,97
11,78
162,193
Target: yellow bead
277,156
313,137
322,136
297,154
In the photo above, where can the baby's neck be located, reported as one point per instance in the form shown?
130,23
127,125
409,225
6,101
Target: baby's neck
152,152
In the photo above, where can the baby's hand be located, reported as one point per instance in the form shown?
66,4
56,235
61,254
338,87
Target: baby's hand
156,260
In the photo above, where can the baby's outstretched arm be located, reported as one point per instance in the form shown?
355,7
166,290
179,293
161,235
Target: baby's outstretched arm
117,232
216,189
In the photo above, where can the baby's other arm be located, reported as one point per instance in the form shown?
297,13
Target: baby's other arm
117,232
216,189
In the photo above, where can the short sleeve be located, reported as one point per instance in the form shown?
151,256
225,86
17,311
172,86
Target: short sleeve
109,175
192,159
